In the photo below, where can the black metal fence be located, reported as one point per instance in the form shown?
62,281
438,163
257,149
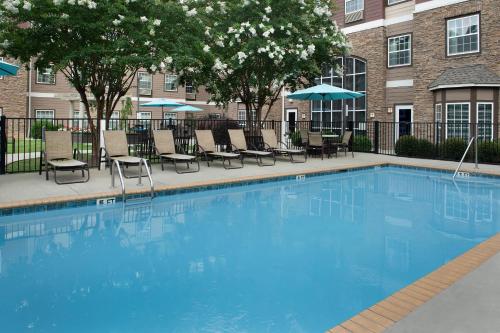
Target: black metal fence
22,142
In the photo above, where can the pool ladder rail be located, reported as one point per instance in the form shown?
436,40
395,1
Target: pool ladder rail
473,139
142,162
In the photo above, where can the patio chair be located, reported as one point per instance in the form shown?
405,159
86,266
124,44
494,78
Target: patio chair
239,143
271,143
116,149
166,149
206,148
344,145
59,155
315,143
304,136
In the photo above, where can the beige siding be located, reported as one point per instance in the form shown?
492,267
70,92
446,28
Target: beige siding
405,8
458,95
400,73
485,94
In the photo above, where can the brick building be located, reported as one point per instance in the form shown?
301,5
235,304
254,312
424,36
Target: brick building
405,56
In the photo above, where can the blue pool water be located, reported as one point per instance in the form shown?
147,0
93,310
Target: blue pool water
282,256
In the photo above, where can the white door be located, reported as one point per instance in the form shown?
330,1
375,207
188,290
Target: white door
291,119
403,118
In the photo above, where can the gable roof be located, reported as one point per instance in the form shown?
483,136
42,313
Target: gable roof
467,76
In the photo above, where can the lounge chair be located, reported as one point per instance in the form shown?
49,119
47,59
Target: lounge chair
59,155
239,143
315,143
116,149
206,148
165,149
344,145
271,143
304,136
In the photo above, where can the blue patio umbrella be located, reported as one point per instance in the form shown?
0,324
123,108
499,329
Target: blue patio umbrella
7,69
187,108
163,103
324,92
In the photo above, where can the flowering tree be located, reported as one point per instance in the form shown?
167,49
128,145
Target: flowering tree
98,45
254,48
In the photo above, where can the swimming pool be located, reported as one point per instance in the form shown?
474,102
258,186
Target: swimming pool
287,256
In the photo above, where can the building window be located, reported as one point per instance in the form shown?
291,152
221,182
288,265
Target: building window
145,83
214,116
393,2
45,76
352,6
457,119
143,119
485,121
189,88
463,35
242,116
438,113
171,82
399,51
329,113
44,114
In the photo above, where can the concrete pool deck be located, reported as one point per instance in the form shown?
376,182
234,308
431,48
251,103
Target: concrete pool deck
438,302
27,189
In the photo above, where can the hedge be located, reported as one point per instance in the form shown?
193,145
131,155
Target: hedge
362,143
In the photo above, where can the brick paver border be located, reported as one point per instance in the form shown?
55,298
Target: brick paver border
384,314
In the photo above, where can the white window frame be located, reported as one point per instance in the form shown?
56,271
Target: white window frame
492,118
174,81
53,82
448,122
141,89
189,86
440,107
478,35
354,11
394,2
389,51
45,118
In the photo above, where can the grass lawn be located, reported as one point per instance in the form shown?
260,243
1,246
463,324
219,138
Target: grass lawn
24,166
36,145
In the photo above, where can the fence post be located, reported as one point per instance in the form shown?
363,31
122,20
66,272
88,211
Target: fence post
376,137
3,144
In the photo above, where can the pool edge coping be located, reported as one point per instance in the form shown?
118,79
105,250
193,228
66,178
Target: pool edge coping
392,309
212,184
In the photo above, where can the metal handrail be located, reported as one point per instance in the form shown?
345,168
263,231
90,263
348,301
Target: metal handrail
142,162
116,165
463,157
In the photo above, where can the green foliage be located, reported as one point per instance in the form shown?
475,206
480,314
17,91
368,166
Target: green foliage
362,143
255,48
453,149
410,146
296,138
36,128
426,149
407,145
489,152
98,45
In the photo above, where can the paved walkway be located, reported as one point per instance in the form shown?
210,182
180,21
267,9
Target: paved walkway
470,305
31,186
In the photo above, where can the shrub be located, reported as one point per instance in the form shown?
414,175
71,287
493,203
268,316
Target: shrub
453,148
425,149
488,152
362,143
296,138
36,128
407,145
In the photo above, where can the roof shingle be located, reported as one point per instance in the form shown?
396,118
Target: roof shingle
466,76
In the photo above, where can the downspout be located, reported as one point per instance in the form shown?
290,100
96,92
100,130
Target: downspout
29,96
